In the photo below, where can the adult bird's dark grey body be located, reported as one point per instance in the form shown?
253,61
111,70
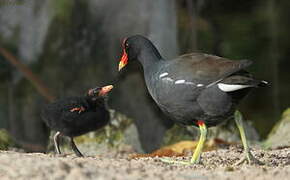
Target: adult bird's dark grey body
187,90
193,89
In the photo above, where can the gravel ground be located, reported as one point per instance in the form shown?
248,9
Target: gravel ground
218,164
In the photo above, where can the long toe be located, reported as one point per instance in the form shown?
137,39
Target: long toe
249,159
171,161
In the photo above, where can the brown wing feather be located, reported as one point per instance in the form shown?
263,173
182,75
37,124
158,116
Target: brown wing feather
205,68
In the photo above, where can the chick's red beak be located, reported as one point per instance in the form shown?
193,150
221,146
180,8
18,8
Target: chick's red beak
124,60
105,90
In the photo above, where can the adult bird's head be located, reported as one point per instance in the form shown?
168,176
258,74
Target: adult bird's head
99,92
134,48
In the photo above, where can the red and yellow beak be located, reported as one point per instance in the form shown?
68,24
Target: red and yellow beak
124,60
105,90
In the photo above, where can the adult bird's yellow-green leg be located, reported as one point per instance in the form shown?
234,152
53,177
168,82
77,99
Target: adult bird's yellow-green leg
248,155
197,153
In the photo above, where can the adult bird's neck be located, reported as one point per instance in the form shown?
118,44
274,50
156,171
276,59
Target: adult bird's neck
149,56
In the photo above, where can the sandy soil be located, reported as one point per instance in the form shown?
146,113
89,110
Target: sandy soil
216,165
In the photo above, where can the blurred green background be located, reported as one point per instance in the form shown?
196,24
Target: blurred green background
72,45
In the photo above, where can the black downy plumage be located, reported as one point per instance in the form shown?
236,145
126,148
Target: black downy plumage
74,116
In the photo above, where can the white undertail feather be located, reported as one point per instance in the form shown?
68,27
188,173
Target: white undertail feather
167,79
189,83
231,87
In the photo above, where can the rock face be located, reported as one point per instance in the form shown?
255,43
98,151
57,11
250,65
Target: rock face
73,45
280,136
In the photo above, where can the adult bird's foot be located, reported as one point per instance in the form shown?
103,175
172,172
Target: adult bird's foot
80,109
250,159
171,161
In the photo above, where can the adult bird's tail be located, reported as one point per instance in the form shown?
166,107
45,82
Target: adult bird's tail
263,84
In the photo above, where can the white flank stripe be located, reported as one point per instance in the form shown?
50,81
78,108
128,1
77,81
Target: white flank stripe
181,81
199,85
231,87
189,83
167,79
163,75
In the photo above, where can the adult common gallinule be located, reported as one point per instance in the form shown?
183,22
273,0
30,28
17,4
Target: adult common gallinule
74,116
193,89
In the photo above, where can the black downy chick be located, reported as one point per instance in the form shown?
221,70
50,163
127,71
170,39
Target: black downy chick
75,116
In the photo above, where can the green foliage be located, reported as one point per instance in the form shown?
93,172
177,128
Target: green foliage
113,134
63,9
285,118
10,3
279,135
5,140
